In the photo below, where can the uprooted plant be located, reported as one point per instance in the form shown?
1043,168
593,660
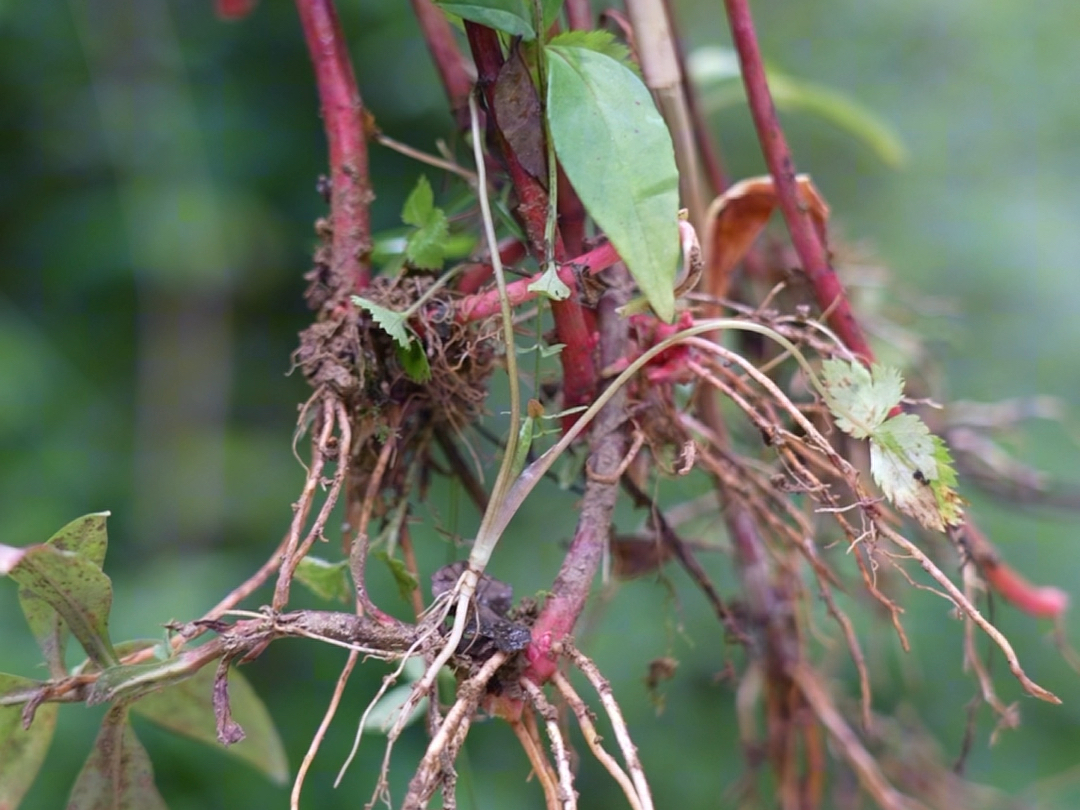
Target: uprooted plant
761,381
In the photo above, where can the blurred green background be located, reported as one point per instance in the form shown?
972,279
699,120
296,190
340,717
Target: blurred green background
157,195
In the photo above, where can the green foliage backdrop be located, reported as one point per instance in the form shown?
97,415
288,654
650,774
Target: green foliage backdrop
157,195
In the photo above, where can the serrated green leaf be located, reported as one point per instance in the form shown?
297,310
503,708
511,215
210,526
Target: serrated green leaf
327,580
87,537
187,708
911,466
861,399
598,40
406,582
117,774
617,153
512,17
393,323
420,203
425,247
22,750
550,285
76,589
384,713
414,360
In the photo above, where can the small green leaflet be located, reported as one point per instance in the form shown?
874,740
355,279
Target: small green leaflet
410,351
550,285
425,247
910,464
863,398
600,41
617,153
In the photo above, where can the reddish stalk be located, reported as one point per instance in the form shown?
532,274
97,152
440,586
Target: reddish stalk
572,325
827,287
342,113
448,60
607,445
484,305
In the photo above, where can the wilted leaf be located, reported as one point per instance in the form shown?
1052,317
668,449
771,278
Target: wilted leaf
517,109
187,708
327,580
22,750
75,588
861,398
737,216
512,17
549,284
117,774
617,153
393,323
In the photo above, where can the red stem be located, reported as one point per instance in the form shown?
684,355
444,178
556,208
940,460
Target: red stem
830,293
607,445
572,325
342,113
448,59
484,305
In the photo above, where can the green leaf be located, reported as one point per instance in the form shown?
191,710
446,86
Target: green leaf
22,750
384,713
187,708
75,588
420,203
910,464
425,247
406,582
414,360
903,462
598,40
86,537
617,153
862,399
512,17
117,774
549,284
327,580
393,323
